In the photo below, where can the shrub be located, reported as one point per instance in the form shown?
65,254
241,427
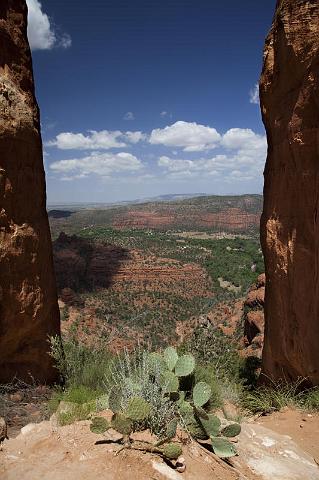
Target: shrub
267,399
79,364
211,347
157,391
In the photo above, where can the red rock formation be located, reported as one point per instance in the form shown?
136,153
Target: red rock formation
254,320
28,309
289,90
231,219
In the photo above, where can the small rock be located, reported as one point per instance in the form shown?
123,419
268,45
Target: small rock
28,428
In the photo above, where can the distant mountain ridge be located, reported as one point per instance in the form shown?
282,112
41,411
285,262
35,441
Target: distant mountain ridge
170,197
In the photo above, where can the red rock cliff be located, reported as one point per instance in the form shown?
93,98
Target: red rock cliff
289,91
28,300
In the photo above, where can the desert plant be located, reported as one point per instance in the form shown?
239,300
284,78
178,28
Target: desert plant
79,364
156,391
274,396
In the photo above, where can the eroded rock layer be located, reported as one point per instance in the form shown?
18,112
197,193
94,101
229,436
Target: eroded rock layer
28,300
289,90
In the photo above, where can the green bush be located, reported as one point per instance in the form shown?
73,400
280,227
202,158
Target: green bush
267,399
80,365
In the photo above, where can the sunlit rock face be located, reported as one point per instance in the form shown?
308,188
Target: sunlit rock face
289,91
28,301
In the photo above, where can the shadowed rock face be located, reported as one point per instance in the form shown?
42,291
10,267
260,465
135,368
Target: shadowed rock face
28,300
289,90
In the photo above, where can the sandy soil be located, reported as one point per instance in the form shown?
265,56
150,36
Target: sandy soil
302,427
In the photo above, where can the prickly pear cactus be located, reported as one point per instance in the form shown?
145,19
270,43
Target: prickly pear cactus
172,451
169,382
201,413
231,430
122,424
99,425
223,448
211,426
171,428
196,429
156,362
185,366
138,409
201,394
170,357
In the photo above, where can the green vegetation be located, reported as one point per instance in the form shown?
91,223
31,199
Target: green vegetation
154,307
79,364
181,214
269,398
140,399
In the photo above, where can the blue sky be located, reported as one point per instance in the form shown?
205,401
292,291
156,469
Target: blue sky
146,97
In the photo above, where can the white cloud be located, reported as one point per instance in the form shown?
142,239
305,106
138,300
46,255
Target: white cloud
254,95
242,159
129,116
101,164
65,41
134,137
40,31
102,140
163,113
243,138
192,137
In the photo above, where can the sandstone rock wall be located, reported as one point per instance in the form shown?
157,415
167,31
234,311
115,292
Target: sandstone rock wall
28,300
289,91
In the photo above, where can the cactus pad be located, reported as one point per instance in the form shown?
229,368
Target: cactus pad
138,409
196,430
201,394
231,430
171,428
201,413
223,448
169,382
172,451
211,426
170,357
122,424
99,425
185,409
185,366
156,362
115,398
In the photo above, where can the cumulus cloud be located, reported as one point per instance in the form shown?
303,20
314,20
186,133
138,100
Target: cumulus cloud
41,33
254,95
134,137
129,116
102,164
242,159
239,154
243,138
190,136
102,140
